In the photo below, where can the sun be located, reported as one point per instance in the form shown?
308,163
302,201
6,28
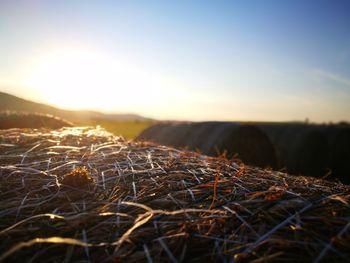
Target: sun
84,79
72,78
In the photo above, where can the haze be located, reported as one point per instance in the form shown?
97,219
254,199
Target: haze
184,60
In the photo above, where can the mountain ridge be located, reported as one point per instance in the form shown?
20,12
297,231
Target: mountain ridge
9,102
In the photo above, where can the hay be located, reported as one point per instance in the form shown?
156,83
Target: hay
157,132
167,133
310,154
245,142
201,136
150,203
180,135
340,155
11,119
173,134
301,149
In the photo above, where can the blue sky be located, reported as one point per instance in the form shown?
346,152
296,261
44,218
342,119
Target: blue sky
193,60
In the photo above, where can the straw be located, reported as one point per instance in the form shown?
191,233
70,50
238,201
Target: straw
84,195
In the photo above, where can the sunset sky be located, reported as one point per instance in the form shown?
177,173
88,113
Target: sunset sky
186,59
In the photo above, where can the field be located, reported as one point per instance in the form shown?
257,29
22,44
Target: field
128,129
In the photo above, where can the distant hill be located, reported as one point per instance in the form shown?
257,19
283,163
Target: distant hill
13,103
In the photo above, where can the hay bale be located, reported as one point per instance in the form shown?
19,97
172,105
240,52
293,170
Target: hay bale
214,138
166,133
10,119
247,142
179,134
201,137
340,155
173,134
310,155
144,202
301,149
151,132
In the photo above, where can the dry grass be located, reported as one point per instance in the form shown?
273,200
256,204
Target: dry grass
83,195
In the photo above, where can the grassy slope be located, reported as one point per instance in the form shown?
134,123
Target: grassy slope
128,129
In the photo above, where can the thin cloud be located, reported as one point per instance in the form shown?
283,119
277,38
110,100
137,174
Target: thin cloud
329,76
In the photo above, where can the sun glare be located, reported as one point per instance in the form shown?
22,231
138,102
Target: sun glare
83,79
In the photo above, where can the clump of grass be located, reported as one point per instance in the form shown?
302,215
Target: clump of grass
146,202
78,177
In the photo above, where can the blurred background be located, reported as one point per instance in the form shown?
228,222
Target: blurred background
267,82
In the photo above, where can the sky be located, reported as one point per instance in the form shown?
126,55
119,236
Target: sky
181,60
